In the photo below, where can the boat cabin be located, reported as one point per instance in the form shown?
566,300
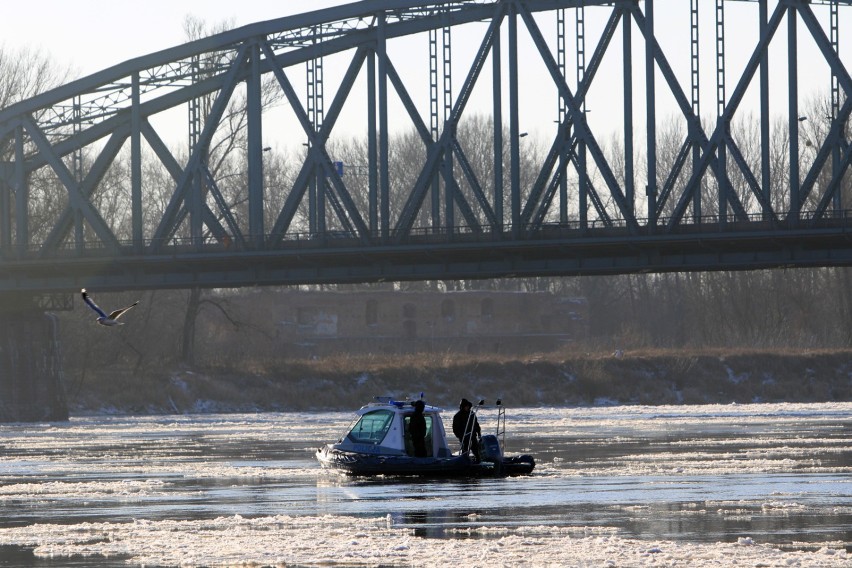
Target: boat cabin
377,443
381,428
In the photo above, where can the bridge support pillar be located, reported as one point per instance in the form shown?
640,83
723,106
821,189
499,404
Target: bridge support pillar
31,388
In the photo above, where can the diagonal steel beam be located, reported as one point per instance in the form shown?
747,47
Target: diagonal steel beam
535,196
473,183
459,199
408,104
839,71
349,213
167,225
418,193
96,173
674,173
537,220
580,126
219,199
176,171
821,157
751,180
75,196
317,153
718,135
696,130
592,192
833,185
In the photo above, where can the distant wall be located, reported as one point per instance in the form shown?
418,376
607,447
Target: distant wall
30,368
305,324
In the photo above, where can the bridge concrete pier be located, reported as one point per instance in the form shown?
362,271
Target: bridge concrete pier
31,388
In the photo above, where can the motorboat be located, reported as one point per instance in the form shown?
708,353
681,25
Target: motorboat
378,443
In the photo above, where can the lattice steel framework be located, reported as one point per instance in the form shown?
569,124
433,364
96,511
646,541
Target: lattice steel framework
576,211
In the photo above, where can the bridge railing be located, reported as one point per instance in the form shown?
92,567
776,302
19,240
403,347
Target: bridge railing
571,231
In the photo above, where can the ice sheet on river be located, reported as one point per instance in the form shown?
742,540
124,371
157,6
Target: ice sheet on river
224,490
335,540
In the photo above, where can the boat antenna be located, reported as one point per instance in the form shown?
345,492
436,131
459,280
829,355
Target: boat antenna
501,423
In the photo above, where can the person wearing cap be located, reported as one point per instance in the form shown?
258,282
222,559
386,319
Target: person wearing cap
417,430
466,428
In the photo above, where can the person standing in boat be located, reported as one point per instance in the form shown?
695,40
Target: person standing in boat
417,430
466,428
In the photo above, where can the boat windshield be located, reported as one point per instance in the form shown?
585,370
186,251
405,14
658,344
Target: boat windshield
372,427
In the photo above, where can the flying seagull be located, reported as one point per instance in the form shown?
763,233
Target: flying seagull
103,318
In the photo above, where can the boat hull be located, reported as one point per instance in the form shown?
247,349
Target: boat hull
358,464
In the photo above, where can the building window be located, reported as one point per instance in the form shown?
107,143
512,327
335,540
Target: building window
307,316
372,313
487,308
448,310
317,321
409,311
409,327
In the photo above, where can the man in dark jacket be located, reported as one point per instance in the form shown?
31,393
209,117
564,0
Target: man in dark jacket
417,430
466,428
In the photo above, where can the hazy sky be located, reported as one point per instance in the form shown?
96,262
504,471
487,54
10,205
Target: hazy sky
93,34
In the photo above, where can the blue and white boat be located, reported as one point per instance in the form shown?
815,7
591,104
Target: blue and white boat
377,443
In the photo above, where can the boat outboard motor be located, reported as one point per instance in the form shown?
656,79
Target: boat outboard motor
489,449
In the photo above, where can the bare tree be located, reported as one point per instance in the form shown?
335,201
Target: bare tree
225,156
27,72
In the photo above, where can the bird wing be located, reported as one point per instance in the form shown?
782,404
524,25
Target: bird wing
92,304
117,313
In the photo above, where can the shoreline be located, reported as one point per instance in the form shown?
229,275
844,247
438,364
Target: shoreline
631,378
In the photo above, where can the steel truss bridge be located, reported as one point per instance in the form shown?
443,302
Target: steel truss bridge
76,209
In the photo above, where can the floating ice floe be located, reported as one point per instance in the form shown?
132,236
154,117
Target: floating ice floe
328,540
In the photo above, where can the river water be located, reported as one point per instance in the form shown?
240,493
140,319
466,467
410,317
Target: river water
764,484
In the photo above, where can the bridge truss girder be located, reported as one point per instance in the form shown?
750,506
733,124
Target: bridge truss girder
200,236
